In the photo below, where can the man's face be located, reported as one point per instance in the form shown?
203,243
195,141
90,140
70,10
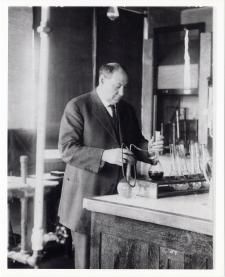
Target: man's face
113,86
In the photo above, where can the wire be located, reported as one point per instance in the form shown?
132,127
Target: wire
123,145
123,171
133,145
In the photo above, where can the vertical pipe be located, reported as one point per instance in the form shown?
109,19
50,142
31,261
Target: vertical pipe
9,231
187,64
146,93
24,168
37,235
94,47
185,130
23,202
154,113
145,31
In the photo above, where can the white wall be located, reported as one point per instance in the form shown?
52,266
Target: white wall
21,94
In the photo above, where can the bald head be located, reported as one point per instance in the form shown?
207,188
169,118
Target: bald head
108,69
112,81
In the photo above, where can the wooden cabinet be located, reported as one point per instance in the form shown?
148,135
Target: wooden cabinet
122,243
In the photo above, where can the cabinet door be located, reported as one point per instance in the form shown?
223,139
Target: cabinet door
119,243
118,252
171,259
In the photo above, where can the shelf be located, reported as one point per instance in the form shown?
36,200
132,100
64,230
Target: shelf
193,92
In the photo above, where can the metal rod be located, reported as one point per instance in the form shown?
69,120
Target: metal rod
94,47
144,13
23,202
178,127
154,113
185,130
37,235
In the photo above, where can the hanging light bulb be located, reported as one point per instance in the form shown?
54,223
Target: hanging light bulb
113,13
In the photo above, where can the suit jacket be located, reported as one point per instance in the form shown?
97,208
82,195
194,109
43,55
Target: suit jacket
86,130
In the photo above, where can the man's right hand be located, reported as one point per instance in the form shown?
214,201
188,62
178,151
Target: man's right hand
114,156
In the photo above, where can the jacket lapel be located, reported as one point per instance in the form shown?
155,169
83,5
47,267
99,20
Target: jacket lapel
102,115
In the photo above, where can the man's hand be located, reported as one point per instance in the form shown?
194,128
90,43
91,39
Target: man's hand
155,146
114,156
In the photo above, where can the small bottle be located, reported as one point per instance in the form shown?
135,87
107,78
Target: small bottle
23,168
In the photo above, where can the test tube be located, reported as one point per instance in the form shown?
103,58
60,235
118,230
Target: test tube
192,157
157,135
178,127
173,132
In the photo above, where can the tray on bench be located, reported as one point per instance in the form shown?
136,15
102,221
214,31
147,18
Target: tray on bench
172,186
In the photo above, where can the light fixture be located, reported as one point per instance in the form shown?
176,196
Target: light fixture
113,13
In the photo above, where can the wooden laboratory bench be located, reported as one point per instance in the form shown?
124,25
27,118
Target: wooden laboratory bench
144,233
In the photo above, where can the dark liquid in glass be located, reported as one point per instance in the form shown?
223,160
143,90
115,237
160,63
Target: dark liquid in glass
155,175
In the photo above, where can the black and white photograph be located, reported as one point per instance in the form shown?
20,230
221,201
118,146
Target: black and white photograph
111,138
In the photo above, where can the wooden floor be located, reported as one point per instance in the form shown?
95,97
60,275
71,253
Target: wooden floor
52,262
54,256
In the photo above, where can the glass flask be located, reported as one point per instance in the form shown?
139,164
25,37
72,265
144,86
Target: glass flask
128,187
155,170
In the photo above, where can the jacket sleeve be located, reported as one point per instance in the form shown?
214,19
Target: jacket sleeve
71,146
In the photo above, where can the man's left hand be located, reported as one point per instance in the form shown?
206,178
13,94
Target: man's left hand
155,145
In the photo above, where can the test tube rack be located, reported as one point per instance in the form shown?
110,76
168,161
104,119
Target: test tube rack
194,184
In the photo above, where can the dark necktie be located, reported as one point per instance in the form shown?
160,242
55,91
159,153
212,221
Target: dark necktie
114,116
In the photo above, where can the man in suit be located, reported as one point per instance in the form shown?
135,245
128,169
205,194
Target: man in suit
93,128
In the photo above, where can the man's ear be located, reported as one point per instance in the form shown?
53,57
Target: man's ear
101,79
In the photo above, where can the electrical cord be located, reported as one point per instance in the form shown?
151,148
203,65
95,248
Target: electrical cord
123,171
135,169
123,145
